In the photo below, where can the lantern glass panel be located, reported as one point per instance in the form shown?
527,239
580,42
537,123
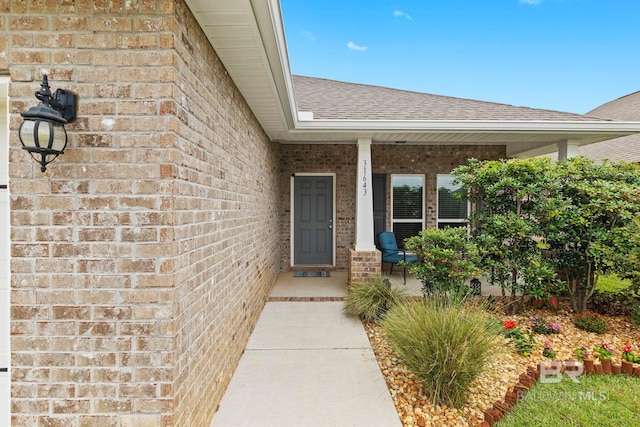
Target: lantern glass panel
44,133
26,133
59,137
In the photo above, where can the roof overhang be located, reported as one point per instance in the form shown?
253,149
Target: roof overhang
248,36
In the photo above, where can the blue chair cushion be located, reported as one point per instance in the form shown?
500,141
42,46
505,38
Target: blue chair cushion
394,259
390,251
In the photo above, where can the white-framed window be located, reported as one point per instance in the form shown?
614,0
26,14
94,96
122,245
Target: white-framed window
452,211
407,206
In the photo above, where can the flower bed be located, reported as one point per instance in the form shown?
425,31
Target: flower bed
502,372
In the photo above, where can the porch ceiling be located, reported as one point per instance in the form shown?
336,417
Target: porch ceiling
248,36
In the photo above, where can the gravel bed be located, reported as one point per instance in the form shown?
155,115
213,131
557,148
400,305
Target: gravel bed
501,373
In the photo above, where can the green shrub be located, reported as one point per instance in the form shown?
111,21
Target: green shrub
590,322
612,283
635,316
610,303
624,302
445,346
447,259
370,301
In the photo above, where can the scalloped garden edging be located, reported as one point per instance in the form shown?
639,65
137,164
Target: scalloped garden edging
532,376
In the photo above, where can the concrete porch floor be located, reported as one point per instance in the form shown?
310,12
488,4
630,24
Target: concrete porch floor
414,286
336,285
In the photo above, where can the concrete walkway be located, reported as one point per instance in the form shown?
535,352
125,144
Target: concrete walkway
307,364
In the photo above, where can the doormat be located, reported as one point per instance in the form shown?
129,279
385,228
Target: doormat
311,274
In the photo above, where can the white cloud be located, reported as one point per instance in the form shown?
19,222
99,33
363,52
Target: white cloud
401,14
308,35
529,1
353,46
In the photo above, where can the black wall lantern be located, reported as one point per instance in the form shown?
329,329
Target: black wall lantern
42,132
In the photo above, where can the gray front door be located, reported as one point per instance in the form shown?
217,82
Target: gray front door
312,220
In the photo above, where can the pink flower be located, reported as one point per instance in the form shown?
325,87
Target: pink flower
627,349
605,345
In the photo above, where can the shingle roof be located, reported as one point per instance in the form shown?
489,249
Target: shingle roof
624,108
626,148
334,100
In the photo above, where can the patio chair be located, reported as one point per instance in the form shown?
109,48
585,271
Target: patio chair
392,254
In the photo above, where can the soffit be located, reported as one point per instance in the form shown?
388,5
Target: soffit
245,36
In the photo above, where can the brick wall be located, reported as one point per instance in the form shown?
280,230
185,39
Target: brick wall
341,159
363,265
142,257
429,160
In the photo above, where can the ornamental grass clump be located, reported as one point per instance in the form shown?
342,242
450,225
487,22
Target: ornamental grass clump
445,345
370,301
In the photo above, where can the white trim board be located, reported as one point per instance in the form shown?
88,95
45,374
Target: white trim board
5,399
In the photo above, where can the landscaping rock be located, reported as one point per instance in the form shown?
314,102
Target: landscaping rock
498,383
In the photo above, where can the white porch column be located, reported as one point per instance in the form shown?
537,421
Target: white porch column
364,199
568,149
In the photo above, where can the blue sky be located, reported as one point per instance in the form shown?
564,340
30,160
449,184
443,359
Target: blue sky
567,55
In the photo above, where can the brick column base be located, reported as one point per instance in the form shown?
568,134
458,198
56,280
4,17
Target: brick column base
363,264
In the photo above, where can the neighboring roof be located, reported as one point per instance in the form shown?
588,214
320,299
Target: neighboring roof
624,108
248,36
626,148
334,100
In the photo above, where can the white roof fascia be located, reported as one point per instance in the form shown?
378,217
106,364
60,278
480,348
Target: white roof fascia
618,128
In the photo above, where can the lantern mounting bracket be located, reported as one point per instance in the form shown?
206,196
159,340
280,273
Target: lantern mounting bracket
63,101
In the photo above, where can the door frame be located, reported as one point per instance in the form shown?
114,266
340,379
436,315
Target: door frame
292,219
